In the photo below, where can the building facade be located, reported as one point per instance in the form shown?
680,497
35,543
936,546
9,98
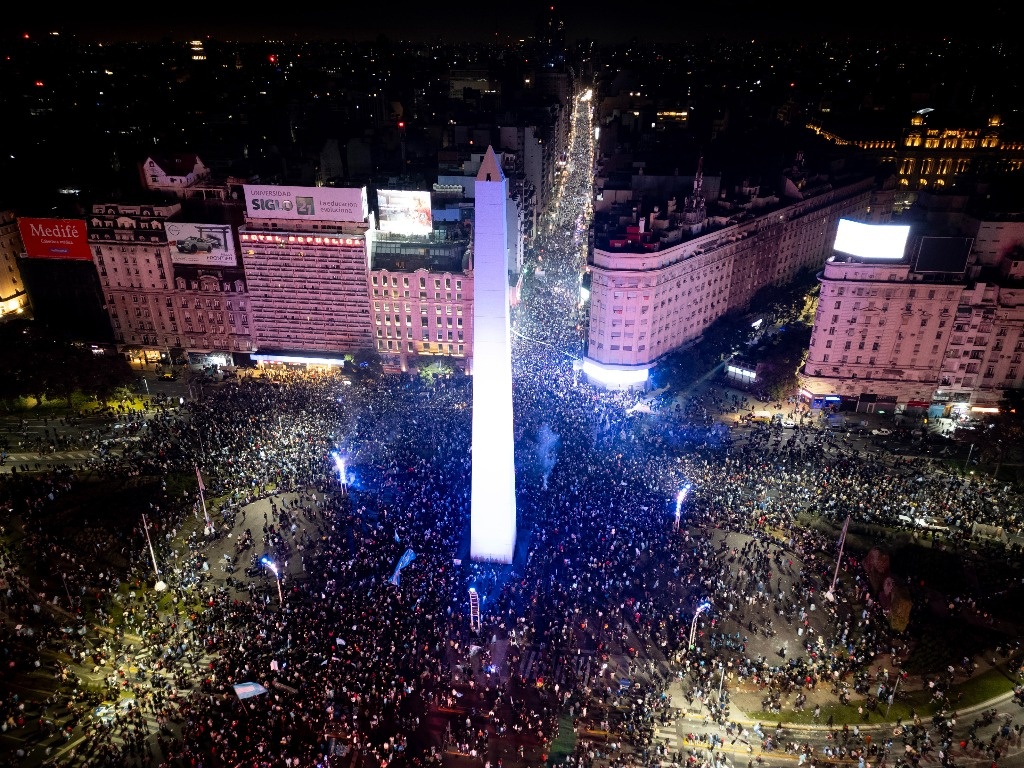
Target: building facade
657,284
160,310
421,295
311,276
938,331
933,153
14,300
308,285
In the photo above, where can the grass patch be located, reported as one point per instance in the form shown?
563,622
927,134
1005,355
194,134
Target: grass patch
55,407
564,742
939,642
989,685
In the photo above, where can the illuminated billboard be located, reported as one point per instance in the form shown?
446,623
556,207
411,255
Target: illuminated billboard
309,203
208,245
55,239
404,212
871,241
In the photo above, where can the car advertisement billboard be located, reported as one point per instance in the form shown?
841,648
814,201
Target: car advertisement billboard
298,203
404,212
55,239
208,245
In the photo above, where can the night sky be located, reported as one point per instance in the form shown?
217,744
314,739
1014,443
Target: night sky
602,22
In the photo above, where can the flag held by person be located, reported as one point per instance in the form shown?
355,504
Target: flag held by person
248,690
407,557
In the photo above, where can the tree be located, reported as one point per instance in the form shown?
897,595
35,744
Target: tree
365,363
43,366
102,376
1003,441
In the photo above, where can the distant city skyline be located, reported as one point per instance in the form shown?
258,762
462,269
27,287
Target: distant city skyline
583,21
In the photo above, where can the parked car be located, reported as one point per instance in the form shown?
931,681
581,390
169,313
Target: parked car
168,376
881,432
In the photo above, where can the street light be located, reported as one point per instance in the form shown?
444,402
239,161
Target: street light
702,608
160,585
270,564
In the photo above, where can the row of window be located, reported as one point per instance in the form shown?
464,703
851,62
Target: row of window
392,345
424,320
197,302
394,294
383,281
425,334
888,293
377,306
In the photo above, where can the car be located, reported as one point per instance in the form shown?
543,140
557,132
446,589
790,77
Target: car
788,423
196,244
167,376
881,432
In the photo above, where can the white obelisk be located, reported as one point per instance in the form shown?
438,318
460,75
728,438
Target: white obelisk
493,501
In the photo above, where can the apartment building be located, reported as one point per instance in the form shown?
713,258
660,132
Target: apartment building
13,296
171,288
310,276
421,293
658,281
357,270
305,256
935,327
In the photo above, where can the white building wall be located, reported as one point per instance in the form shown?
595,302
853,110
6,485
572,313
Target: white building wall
995,239
420,315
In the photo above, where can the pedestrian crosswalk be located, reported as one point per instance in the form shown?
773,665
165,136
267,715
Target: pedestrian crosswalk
532,667
32,457
670,740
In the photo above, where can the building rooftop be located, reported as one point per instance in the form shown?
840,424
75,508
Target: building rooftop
448,248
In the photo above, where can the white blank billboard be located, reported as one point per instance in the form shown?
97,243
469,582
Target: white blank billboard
871,241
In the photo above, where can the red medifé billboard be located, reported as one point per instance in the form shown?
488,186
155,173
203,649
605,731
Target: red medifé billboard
55,238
